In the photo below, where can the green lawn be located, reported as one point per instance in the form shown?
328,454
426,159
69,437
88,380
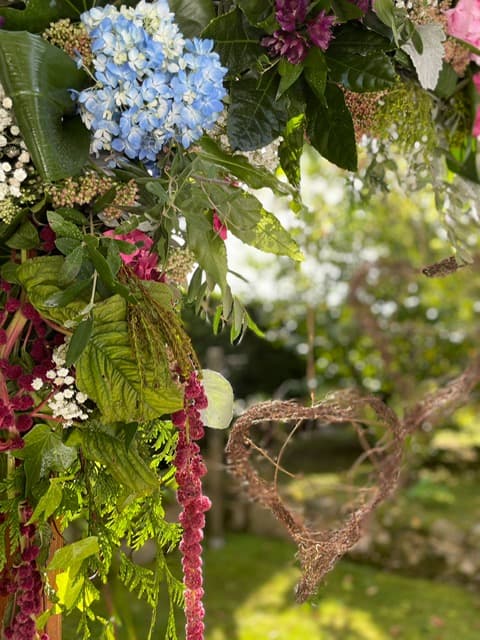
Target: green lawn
250,596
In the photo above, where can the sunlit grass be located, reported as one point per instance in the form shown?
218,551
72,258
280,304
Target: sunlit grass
250,595
355,603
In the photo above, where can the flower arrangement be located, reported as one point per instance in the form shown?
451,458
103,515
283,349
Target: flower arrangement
126,139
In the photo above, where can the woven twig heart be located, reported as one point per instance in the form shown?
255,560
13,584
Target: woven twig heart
319,550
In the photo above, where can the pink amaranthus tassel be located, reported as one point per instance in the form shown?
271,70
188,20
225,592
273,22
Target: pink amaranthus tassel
190,469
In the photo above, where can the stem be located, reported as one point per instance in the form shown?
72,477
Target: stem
3,389
54,624
15,328
45,416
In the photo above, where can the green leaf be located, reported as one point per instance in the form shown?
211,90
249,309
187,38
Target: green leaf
217,319
255,117
62,227
385,10
71,266
67,245
49,502
64,297
355,37
316,71
114,259
9,272
238,326
38,14
289,74
257,11
109,374
208,248
236,42
44,452
73,215
71,556
192,16
194,285
38,76
447,81
79,340
25,237
239,166
125,464
244,216
330,129
371,71
291,148
250,222
346,10
219,392
104,270
39,277
68,590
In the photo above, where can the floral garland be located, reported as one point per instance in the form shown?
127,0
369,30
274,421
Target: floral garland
128,151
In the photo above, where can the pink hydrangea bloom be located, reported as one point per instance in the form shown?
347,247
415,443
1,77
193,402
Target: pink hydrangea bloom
143,261
463,22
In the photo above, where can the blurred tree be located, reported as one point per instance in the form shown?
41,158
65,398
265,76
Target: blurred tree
359,311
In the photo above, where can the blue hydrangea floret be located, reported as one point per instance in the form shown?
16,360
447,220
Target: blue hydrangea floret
153,86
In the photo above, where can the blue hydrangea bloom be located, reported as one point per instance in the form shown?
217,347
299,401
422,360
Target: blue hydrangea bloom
153,86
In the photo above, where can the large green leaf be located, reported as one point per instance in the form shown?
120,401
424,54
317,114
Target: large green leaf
345,10
291,148
241,211
357,59
107,371
37,76
256,117
257,11
250,222
330,129
123,463
219,392
192,16
239,166
44,452
38,14
316,71
40,278
235,40
354,36
208,248
368,72
70,557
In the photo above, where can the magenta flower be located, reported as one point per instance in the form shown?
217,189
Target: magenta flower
219,227
142,261
293,40
291,46
190,469
320,30
290,13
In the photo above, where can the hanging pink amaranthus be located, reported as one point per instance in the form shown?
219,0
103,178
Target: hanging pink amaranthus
190,469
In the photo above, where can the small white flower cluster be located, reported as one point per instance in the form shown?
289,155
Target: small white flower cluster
14,157
67,402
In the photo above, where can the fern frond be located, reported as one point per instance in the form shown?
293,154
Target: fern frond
139,580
